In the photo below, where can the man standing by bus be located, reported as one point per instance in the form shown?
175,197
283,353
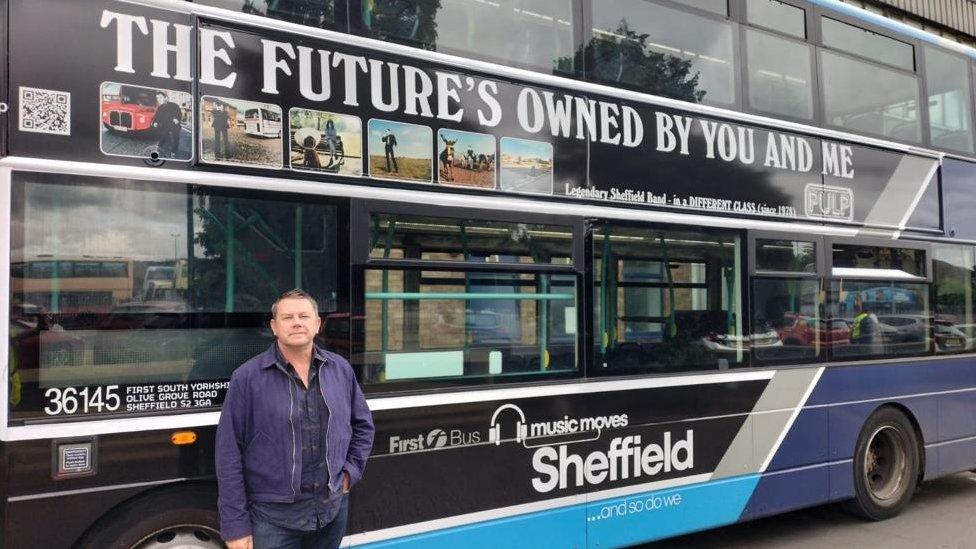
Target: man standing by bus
293,437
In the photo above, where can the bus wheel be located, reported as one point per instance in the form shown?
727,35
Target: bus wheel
886,465
185,519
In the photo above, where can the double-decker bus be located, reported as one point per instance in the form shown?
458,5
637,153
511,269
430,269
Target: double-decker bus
726,251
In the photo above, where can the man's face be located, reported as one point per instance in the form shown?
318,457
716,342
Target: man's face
295,323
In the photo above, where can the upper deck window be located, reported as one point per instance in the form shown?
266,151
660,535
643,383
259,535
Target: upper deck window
950,112
780,76
536,34
663,51
864,97
777,16
865,43
314,13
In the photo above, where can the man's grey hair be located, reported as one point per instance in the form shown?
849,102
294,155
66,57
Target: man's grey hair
296,293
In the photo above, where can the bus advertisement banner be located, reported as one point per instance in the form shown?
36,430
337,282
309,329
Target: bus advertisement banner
118,82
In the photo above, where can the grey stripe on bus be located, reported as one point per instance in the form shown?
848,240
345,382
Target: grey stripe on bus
896,203
770,419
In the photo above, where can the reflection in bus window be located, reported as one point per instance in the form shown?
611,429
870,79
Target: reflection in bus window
532,33
954,274
905,262
886,318
787,320
425,325
865,43
778,16
786,256
667,301
131,283
663,51
314,13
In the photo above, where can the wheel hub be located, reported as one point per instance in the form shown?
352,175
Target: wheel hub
886,465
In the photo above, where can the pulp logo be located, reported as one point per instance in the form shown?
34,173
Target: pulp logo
436,438
827,202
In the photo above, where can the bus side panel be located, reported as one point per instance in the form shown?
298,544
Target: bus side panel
77,513
936,393
126,464
797,475
957,416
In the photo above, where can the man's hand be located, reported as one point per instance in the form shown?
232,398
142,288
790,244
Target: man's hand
246,542
345,482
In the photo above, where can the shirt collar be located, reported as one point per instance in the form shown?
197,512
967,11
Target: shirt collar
273,356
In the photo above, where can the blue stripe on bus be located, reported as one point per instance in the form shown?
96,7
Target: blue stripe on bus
614,522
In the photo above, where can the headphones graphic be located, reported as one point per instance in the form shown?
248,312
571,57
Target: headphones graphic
521,429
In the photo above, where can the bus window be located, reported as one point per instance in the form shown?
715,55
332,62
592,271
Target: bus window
777,16
536,34
468,327
780,77
483,320
950,113
882,294
115,306
788,322
314,13
666,301
470,240
865,97
954,274
663,51
865,43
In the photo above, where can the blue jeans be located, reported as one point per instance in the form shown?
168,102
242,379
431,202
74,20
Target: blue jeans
270,536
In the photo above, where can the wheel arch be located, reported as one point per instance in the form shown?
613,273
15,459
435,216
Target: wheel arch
194,491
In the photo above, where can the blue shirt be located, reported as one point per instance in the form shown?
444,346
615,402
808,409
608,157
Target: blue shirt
316,506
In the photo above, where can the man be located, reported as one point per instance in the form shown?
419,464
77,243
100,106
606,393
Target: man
220,123
168,125
390,141
293,437
865,329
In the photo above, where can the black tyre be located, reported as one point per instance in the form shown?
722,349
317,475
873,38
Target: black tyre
886,465
177,518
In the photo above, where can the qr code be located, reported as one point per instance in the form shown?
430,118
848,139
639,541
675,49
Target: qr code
45,111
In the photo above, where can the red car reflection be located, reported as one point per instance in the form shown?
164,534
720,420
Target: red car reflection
807,331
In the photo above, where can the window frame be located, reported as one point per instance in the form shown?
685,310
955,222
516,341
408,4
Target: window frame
361,212
592,349
831,299
756,274
923,82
